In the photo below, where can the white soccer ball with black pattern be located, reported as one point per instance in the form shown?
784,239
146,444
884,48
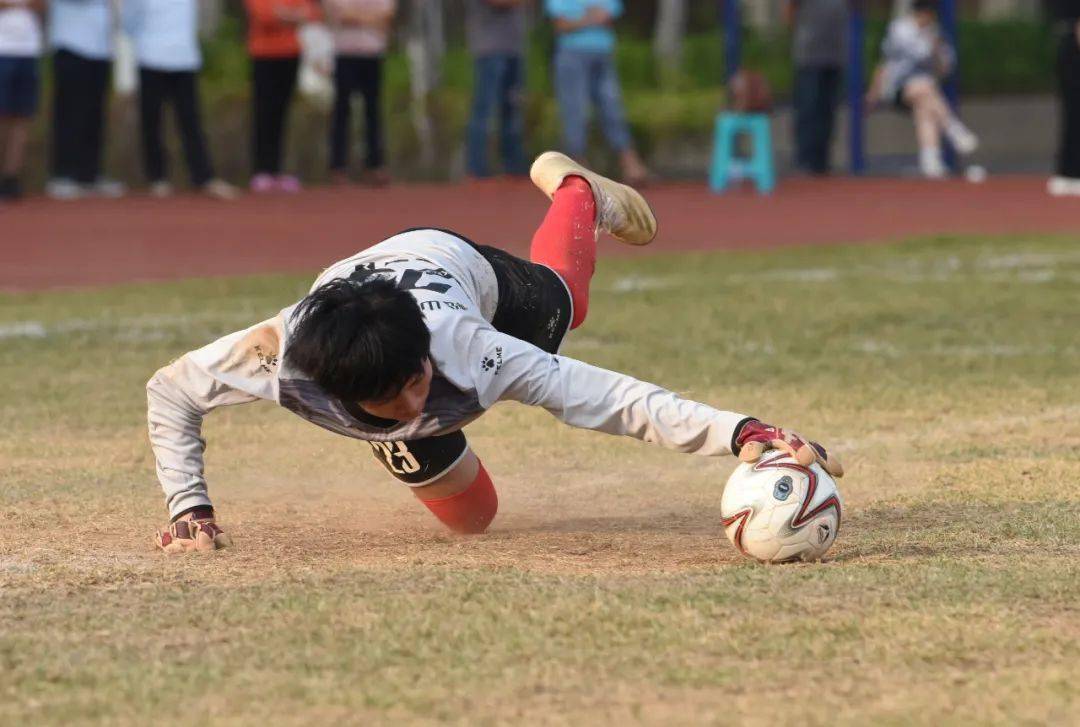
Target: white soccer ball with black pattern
777,511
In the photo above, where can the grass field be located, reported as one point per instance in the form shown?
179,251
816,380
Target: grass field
947,372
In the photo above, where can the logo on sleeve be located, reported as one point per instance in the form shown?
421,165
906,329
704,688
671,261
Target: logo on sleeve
492,364
268,360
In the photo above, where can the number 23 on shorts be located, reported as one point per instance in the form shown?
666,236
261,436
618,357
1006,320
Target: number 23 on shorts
398,458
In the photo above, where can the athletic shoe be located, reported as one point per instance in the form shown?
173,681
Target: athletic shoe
620,210
1063,187
288,183
161,189
107,188
262,183
64,188
961,138
220,189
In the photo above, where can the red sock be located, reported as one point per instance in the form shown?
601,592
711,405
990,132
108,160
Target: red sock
566,241
471,510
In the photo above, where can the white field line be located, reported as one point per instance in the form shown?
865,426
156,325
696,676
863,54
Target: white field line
638,283
134,328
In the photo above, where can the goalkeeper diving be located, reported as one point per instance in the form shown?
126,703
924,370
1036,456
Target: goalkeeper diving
405,343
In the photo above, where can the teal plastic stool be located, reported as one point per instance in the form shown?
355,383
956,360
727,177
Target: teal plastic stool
726,167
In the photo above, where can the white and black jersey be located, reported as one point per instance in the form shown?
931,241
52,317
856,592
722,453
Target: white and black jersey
496,323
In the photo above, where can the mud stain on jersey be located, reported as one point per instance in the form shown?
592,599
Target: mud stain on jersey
256,353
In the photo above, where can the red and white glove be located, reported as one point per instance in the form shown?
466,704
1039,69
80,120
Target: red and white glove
754,438
193,531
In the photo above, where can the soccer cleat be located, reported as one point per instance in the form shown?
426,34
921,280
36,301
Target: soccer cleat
620,210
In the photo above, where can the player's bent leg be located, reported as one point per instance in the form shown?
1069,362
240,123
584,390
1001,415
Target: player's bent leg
464,499
620,210
566,241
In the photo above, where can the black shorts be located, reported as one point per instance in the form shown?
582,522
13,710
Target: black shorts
19,82
534,306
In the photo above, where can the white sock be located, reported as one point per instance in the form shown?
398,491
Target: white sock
930,163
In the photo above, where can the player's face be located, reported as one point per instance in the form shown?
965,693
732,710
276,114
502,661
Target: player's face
925,18
408,403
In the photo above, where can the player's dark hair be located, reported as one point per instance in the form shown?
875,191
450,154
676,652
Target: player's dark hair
930,5
360,341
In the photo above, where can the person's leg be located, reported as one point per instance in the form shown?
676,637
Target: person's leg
370,76
285,84
831,78
64,112
464,499
341,120
512,114
446,476
566,241
607,96
151,100
22,101
572,94
189,120
260,77
1068,162
485,73
92,145
802,98
927,116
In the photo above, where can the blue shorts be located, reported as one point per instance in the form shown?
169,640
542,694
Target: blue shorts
18,85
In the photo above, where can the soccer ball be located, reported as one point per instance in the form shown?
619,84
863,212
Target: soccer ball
776,511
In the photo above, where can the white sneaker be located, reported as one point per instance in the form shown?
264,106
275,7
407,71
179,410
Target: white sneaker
961,137
930,163
1063,187
620,210
220,189
161,189
64,188
107,188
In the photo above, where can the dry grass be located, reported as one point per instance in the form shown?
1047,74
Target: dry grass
946,371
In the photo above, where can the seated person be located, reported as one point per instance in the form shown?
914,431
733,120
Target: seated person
916,58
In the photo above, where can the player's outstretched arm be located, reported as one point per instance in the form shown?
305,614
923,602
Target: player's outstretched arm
590,397
236,369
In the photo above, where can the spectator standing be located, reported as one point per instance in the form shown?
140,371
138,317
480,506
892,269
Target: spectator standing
916,56
361,30
165,36
819,51
1066,180
496,31
585,72
275,61
20,47
81,35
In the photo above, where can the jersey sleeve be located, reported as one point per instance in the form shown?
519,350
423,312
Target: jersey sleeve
236,369
590,397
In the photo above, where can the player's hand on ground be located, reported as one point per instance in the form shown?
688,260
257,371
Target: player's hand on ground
755,438
195,531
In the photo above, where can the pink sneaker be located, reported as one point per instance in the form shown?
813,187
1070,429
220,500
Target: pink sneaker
263,183
288,183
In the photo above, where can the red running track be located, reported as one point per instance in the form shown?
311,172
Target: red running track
46,244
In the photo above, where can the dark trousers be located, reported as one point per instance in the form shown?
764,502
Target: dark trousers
363,75
181,89
815,96
80,86
1068,68
498,84
273,80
